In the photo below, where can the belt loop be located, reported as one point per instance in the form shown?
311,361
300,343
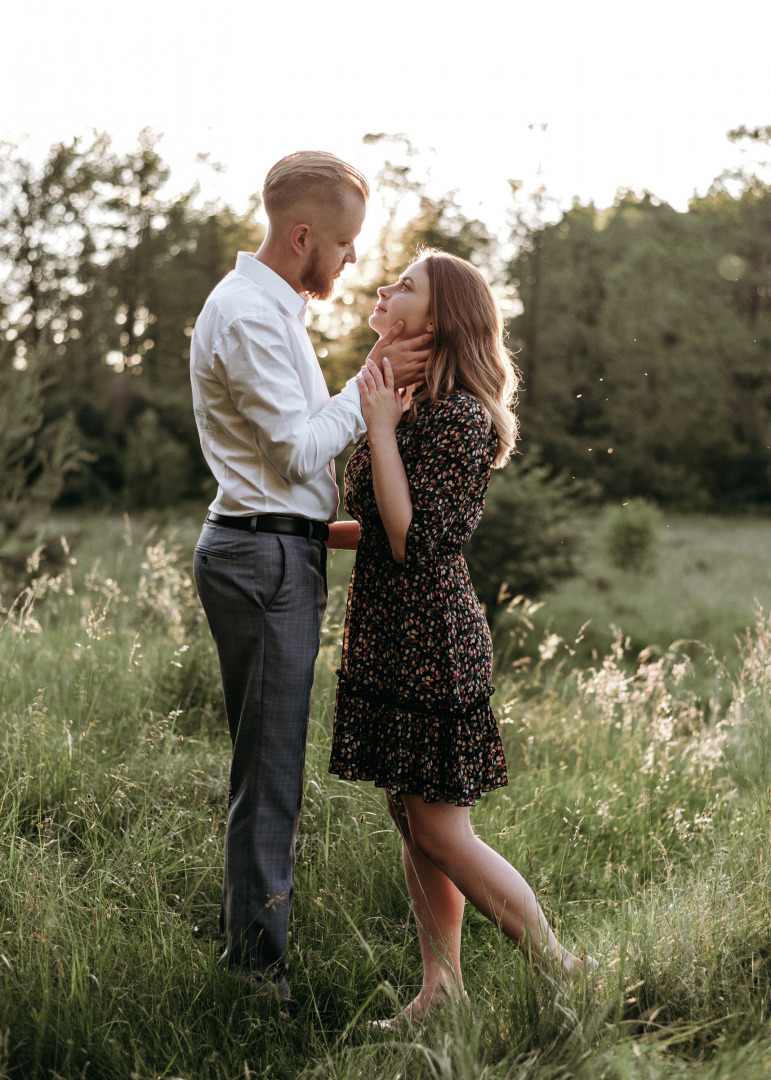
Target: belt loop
310,529
253,524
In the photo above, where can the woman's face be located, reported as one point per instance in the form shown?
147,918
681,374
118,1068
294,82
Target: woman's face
409,300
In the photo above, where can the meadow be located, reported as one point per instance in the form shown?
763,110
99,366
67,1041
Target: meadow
638,806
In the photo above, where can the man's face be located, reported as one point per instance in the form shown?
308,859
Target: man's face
333,235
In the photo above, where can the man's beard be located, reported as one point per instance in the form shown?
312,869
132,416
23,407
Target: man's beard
317,282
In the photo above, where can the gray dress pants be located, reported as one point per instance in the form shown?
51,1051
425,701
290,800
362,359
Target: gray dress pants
264,596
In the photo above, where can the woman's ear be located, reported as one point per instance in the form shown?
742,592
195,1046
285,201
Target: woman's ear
430,326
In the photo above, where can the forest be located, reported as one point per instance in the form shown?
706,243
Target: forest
623,563
643,333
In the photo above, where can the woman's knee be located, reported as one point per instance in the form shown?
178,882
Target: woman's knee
434,843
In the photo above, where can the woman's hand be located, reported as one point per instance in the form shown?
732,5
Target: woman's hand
407,357
381,405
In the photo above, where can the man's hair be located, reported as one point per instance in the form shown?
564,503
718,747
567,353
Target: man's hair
310,173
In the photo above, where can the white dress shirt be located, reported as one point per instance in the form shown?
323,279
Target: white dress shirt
268,427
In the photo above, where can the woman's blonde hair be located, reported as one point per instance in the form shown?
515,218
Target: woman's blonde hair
468,351
310,173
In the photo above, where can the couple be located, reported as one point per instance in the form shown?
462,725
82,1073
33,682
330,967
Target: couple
413,711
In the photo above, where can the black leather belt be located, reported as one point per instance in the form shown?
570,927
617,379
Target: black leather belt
285,524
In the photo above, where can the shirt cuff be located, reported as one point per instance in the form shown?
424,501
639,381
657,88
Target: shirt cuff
350,394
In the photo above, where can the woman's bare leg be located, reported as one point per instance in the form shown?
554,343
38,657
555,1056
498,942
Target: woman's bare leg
438,908
443,833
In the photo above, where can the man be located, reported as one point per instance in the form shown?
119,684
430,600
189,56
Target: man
270,433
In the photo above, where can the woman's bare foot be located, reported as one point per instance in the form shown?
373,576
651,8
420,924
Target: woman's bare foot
564,963
422,1006
580,965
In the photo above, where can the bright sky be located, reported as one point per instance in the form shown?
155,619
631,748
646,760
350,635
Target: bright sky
637,96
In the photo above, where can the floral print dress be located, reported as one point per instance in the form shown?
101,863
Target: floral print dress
413,701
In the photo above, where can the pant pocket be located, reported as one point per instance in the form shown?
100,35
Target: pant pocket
203,553
270,569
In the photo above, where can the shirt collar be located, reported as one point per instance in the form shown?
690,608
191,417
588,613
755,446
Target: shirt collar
281,290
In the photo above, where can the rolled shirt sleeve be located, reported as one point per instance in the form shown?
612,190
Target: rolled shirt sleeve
267,392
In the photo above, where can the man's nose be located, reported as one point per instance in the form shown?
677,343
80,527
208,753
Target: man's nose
351,257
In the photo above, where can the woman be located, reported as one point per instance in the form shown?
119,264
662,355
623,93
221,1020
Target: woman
413,703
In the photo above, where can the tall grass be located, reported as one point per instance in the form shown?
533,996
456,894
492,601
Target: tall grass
639,811
704,577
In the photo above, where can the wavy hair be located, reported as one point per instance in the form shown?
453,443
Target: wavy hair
468,351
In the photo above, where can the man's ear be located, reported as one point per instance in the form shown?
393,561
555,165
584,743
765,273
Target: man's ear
300,239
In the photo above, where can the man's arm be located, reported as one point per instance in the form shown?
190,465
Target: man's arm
344,535
266,390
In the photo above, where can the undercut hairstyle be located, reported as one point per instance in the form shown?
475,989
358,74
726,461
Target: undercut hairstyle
468,353
310,174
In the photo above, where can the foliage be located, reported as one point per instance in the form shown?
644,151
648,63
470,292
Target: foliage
709,574
35,457
112,272
643,333
631,534
643,336
158,465
52,238
639,813
524,544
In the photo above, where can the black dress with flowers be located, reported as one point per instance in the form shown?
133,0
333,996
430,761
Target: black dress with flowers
413,699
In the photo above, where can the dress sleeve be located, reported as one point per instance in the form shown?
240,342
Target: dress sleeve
454,450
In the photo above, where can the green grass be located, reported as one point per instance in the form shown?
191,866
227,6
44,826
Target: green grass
707,577
638,808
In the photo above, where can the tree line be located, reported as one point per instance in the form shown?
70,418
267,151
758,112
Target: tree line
643,333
